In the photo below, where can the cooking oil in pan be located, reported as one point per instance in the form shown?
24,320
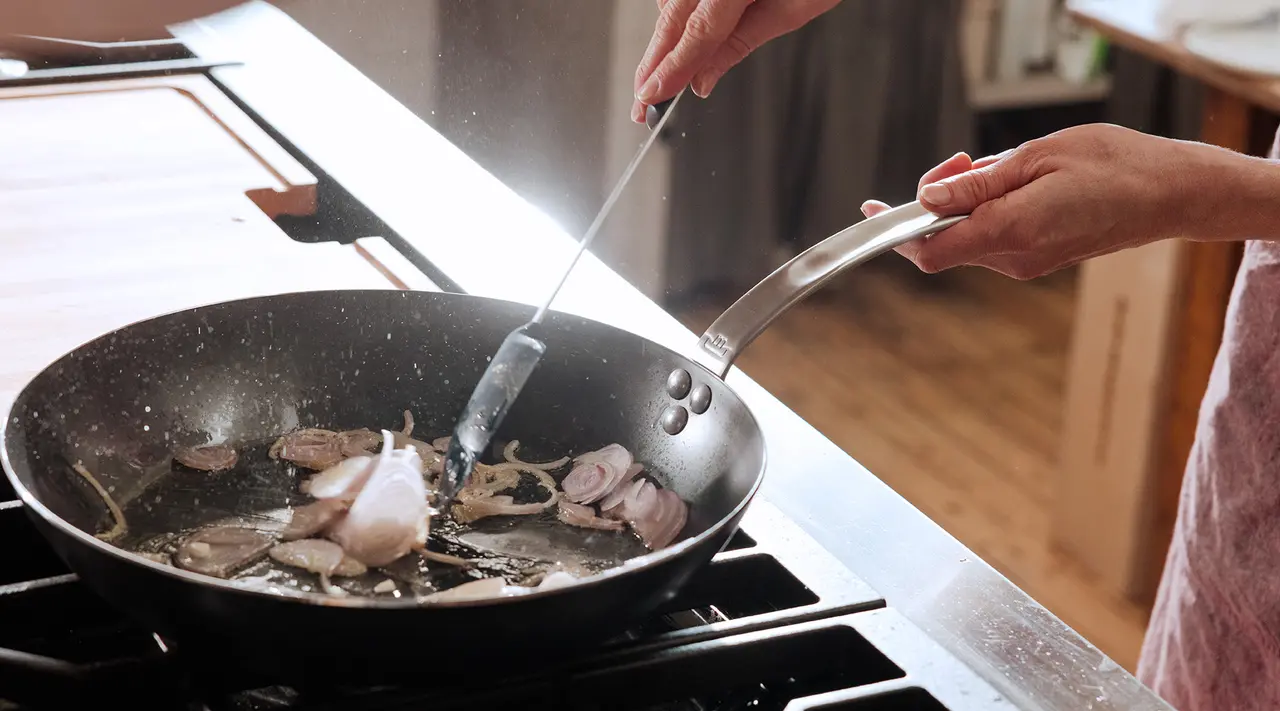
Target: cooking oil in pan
258,495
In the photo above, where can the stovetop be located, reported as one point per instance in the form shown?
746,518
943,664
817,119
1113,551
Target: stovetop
774,622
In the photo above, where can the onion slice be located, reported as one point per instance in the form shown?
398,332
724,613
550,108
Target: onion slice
118,527
208,458
509,454
309,448
585,517
319,557
480,498
656,515
358,443
619,492
310,519
482,504
614,455
597,474
474,590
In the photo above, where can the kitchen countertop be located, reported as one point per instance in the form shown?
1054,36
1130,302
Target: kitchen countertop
123,199
481,238
1134,25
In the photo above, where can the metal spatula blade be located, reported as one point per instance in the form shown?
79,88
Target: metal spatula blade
521,352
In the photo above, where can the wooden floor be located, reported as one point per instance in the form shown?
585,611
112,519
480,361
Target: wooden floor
950,389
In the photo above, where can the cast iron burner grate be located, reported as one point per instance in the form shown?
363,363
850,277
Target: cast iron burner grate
765,624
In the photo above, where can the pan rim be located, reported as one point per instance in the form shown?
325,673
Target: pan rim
285,596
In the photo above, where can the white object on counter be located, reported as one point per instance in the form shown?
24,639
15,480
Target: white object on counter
1251,48
1175,14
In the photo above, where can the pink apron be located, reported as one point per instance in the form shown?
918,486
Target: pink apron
1214,639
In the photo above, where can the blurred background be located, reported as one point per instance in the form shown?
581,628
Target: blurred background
952,388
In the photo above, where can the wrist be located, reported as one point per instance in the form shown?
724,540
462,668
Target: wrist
1229,196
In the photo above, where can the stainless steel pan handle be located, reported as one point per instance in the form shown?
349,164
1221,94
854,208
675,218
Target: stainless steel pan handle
737,327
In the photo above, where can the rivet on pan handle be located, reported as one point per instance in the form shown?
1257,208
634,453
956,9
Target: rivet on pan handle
738,326
653,114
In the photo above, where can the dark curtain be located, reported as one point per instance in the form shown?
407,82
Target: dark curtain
1150,97
856,105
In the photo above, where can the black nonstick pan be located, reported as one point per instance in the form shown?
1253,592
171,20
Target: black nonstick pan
245,372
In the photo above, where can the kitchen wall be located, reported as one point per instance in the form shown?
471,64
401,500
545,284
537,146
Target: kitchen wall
537,91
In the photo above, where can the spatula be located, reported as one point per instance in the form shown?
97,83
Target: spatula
522,350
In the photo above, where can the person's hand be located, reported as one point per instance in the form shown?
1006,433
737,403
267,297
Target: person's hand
696,41
1077,194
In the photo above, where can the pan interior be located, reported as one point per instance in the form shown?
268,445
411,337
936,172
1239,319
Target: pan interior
245,372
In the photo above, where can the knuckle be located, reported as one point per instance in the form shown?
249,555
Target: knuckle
667,23
699,27
1036,152
977,187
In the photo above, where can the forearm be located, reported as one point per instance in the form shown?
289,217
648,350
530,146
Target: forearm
1230,197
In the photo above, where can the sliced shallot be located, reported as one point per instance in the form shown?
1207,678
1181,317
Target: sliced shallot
444,558
222,551
585,517
209,458
474,590
313,518
495,480
356,443
597,474
481,500
487,588
615,455
664,523
427,456
589,482
620,491
118,526
641,502
509,454
475,505
612,507
310,448
558,579
319,557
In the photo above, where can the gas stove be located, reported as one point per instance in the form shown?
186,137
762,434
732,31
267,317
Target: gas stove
835,595
773,622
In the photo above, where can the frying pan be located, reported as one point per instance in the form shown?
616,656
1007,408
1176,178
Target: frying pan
247,371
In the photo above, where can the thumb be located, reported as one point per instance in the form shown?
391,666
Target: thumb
963,193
